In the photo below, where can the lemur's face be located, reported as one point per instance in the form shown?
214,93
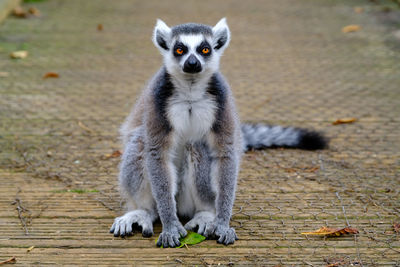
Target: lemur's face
192,53
191,49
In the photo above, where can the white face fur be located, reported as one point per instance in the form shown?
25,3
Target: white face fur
191,50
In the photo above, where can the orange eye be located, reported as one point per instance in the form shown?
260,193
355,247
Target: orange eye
179,51
205,50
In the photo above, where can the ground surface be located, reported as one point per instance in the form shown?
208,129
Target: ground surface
288,63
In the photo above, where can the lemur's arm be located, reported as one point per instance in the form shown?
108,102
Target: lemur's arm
227,147
226,181
227,171
162,177
162,181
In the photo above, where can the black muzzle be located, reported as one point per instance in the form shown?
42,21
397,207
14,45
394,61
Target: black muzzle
192,65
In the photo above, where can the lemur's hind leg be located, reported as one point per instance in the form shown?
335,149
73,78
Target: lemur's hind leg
142,212
123,226
207,172
135,187
200,221
204,189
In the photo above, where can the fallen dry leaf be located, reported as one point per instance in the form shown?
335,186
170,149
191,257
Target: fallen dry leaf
10,260
100,27
326,231
51,75
115,154
22,13
358,10
19,54
301,169
30,249
290,170
336,262
344,120
311,169
4,74
19,12
84,127
34,11
351,28
396,227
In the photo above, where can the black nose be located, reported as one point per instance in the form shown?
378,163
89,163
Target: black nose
192,65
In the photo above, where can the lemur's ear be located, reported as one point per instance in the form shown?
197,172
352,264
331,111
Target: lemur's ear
161,35
221,35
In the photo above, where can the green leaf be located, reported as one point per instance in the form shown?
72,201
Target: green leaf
191,238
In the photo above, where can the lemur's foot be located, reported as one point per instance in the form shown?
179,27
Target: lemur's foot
225,235
201,220
170,235
122,226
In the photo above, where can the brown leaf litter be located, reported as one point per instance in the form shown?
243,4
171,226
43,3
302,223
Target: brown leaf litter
51,75
326,231
351,28
344,120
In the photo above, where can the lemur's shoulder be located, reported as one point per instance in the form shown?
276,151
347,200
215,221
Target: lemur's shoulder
156,89
159,90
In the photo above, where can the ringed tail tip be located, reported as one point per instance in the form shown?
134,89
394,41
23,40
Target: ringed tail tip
311,140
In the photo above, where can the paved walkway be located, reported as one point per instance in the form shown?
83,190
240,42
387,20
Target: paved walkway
289,63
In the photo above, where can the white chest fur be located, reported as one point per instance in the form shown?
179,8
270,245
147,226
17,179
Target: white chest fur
191,114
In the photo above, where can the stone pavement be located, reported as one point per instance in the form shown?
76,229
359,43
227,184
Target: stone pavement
289,63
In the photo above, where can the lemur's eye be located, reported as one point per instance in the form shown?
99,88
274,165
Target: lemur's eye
179,51
205,50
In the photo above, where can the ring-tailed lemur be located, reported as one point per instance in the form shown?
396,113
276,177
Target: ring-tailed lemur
183,140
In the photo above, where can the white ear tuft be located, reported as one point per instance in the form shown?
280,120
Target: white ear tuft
221,35
161,35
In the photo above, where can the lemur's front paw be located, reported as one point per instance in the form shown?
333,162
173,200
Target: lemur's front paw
225,235
170,235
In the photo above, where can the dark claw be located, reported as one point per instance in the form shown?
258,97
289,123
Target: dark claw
147,233
116,235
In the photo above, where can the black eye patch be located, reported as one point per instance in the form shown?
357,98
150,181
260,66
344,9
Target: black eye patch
180,49
204,49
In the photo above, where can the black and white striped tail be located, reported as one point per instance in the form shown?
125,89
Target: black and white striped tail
258,136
